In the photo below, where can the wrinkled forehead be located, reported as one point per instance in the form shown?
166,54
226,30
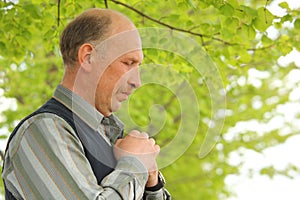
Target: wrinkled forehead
120,44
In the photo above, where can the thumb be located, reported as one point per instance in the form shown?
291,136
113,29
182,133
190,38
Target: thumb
118,142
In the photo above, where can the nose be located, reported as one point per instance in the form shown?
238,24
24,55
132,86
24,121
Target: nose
134,80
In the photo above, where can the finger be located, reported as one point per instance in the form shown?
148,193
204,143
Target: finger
157,148
118,142
152,141
144,135
137,134
134,133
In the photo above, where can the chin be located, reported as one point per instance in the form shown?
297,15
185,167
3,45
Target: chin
116,106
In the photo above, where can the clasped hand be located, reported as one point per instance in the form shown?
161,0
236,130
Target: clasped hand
142,147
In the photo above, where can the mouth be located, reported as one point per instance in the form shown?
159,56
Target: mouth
125,95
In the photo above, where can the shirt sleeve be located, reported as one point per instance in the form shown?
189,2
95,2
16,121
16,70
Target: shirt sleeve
46,159
154,193
157,195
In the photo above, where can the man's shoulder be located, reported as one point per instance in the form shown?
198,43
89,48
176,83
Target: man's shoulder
40,122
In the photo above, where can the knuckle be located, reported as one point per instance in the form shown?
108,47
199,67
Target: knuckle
144,135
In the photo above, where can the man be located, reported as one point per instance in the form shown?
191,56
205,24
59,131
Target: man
72,147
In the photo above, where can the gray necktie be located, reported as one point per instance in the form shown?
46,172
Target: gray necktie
112,129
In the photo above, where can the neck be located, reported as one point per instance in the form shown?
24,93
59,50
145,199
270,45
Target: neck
77,83
69,77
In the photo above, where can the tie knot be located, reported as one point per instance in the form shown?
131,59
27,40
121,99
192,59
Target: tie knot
112,130
105,121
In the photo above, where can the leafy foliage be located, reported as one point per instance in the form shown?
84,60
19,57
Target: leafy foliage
235,34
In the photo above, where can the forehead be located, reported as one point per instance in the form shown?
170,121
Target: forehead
120,44
136,55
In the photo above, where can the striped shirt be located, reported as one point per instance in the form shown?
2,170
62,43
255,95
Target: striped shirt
46,160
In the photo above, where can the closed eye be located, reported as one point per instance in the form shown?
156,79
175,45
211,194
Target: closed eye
131,63
128,63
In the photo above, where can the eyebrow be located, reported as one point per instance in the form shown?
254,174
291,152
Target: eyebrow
134,59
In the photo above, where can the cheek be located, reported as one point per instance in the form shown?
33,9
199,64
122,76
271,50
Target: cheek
117,76
108,83
113,77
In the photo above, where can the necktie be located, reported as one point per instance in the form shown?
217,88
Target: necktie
112,129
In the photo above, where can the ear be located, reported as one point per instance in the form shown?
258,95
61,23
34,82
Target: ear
84,56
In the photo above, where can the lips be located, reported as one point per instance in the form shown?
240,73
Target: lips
124,96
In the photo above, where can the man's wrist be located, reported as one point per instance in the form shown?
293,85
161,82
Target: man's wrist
160,184
152,179
132,165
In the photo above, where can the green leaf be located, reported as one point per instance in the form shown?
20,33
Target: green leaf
266,41
227,10
270,171
284,5
32,10
252,12
2,47
245,57
227,33
286,49
297,24
191,3
287,17
263,20
278,25
246,33
246,14
174,17
233,3
3,136
203,4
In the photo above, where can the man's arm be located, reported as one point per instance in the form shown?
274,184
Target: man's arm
158,191
142,147
47,160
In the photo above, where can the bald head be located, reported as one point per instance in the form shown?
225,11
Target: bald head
92,26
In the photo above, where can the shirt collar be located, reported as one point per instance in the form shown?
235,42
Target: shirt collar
79,106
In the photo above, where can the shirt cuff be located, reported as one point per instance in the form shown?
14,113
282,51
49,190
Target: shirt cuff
133,166
154,195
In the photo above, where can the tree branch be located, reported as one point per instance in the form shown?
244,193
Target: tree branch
1,155
58,12
262,48
202,36
170,26
106,4
265,10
